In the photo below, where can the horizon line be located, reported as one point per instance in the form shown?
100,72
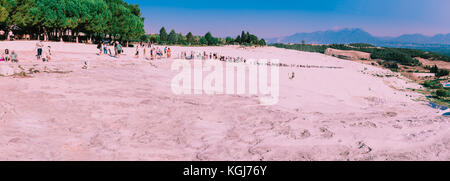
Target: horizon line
332,29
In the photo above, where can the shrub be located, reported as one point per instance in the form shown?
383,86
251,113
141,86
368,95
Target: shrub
433,84
392,65
442,73
361,45
343,57
442,93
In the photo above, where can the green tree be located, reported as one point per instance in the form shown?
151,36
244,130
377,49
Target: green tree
97,18
172,38
262,42
182,40
190,38
203,41
434,69
441,73
7,10
51,16
3,14
145,38
209,38
253,40
247,40
229,40
238,39
243,38
442,93
6,7
24,18
163,35
154,39
58,18
433,84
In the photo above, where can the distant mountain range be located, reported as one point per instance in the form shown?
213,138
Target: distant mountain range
357,35
439,43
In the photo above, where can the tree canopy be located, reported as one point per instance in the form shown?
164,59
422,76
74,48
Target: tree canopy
58,19
208,39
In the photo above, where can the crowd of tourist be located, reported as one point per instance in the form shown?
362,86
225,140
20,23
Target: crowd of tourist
209,56
113,49
149,51
215,56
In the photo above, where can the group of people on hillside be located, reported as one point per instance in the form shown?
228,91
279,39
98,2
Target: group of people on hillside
144,51
44,53
211,56
113,49
7,56
152,52
216,56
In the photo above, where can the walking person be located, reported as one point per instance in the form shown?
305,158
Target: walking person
115,49
144,51
168,53
48,53
119,49
110,49
165,51
99,47
137,51
105,48
38,48
152,51
11,36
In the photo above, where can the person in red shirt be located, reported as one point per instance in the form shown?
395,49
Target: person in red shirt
168,53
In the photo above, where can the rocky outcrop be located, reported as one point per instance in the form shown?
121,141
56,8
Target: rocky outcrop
7,69
27,69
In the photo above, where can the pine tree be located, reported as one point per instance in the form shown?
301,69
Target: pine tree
243,38
238,39
190,38
96,18
172,39
262,42
163,37
203,41
247,40
434,69
228,40
210,39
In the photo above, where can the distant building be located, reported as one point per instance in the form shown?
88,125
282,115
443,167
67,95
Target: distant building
347,54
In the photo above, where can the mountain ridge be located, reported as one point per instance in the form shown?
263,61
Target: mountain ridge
358,35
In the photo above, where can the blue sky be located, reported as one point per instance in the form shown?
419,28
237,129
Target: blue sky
274,18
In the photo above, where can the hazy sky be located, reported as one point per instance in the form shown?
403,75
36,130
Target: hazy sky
274,18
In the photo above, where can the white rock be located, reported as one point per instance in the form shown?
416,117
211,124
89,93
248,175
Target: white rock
6,70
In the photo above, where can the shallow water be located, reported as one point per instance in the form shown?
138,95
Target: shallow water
436,106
